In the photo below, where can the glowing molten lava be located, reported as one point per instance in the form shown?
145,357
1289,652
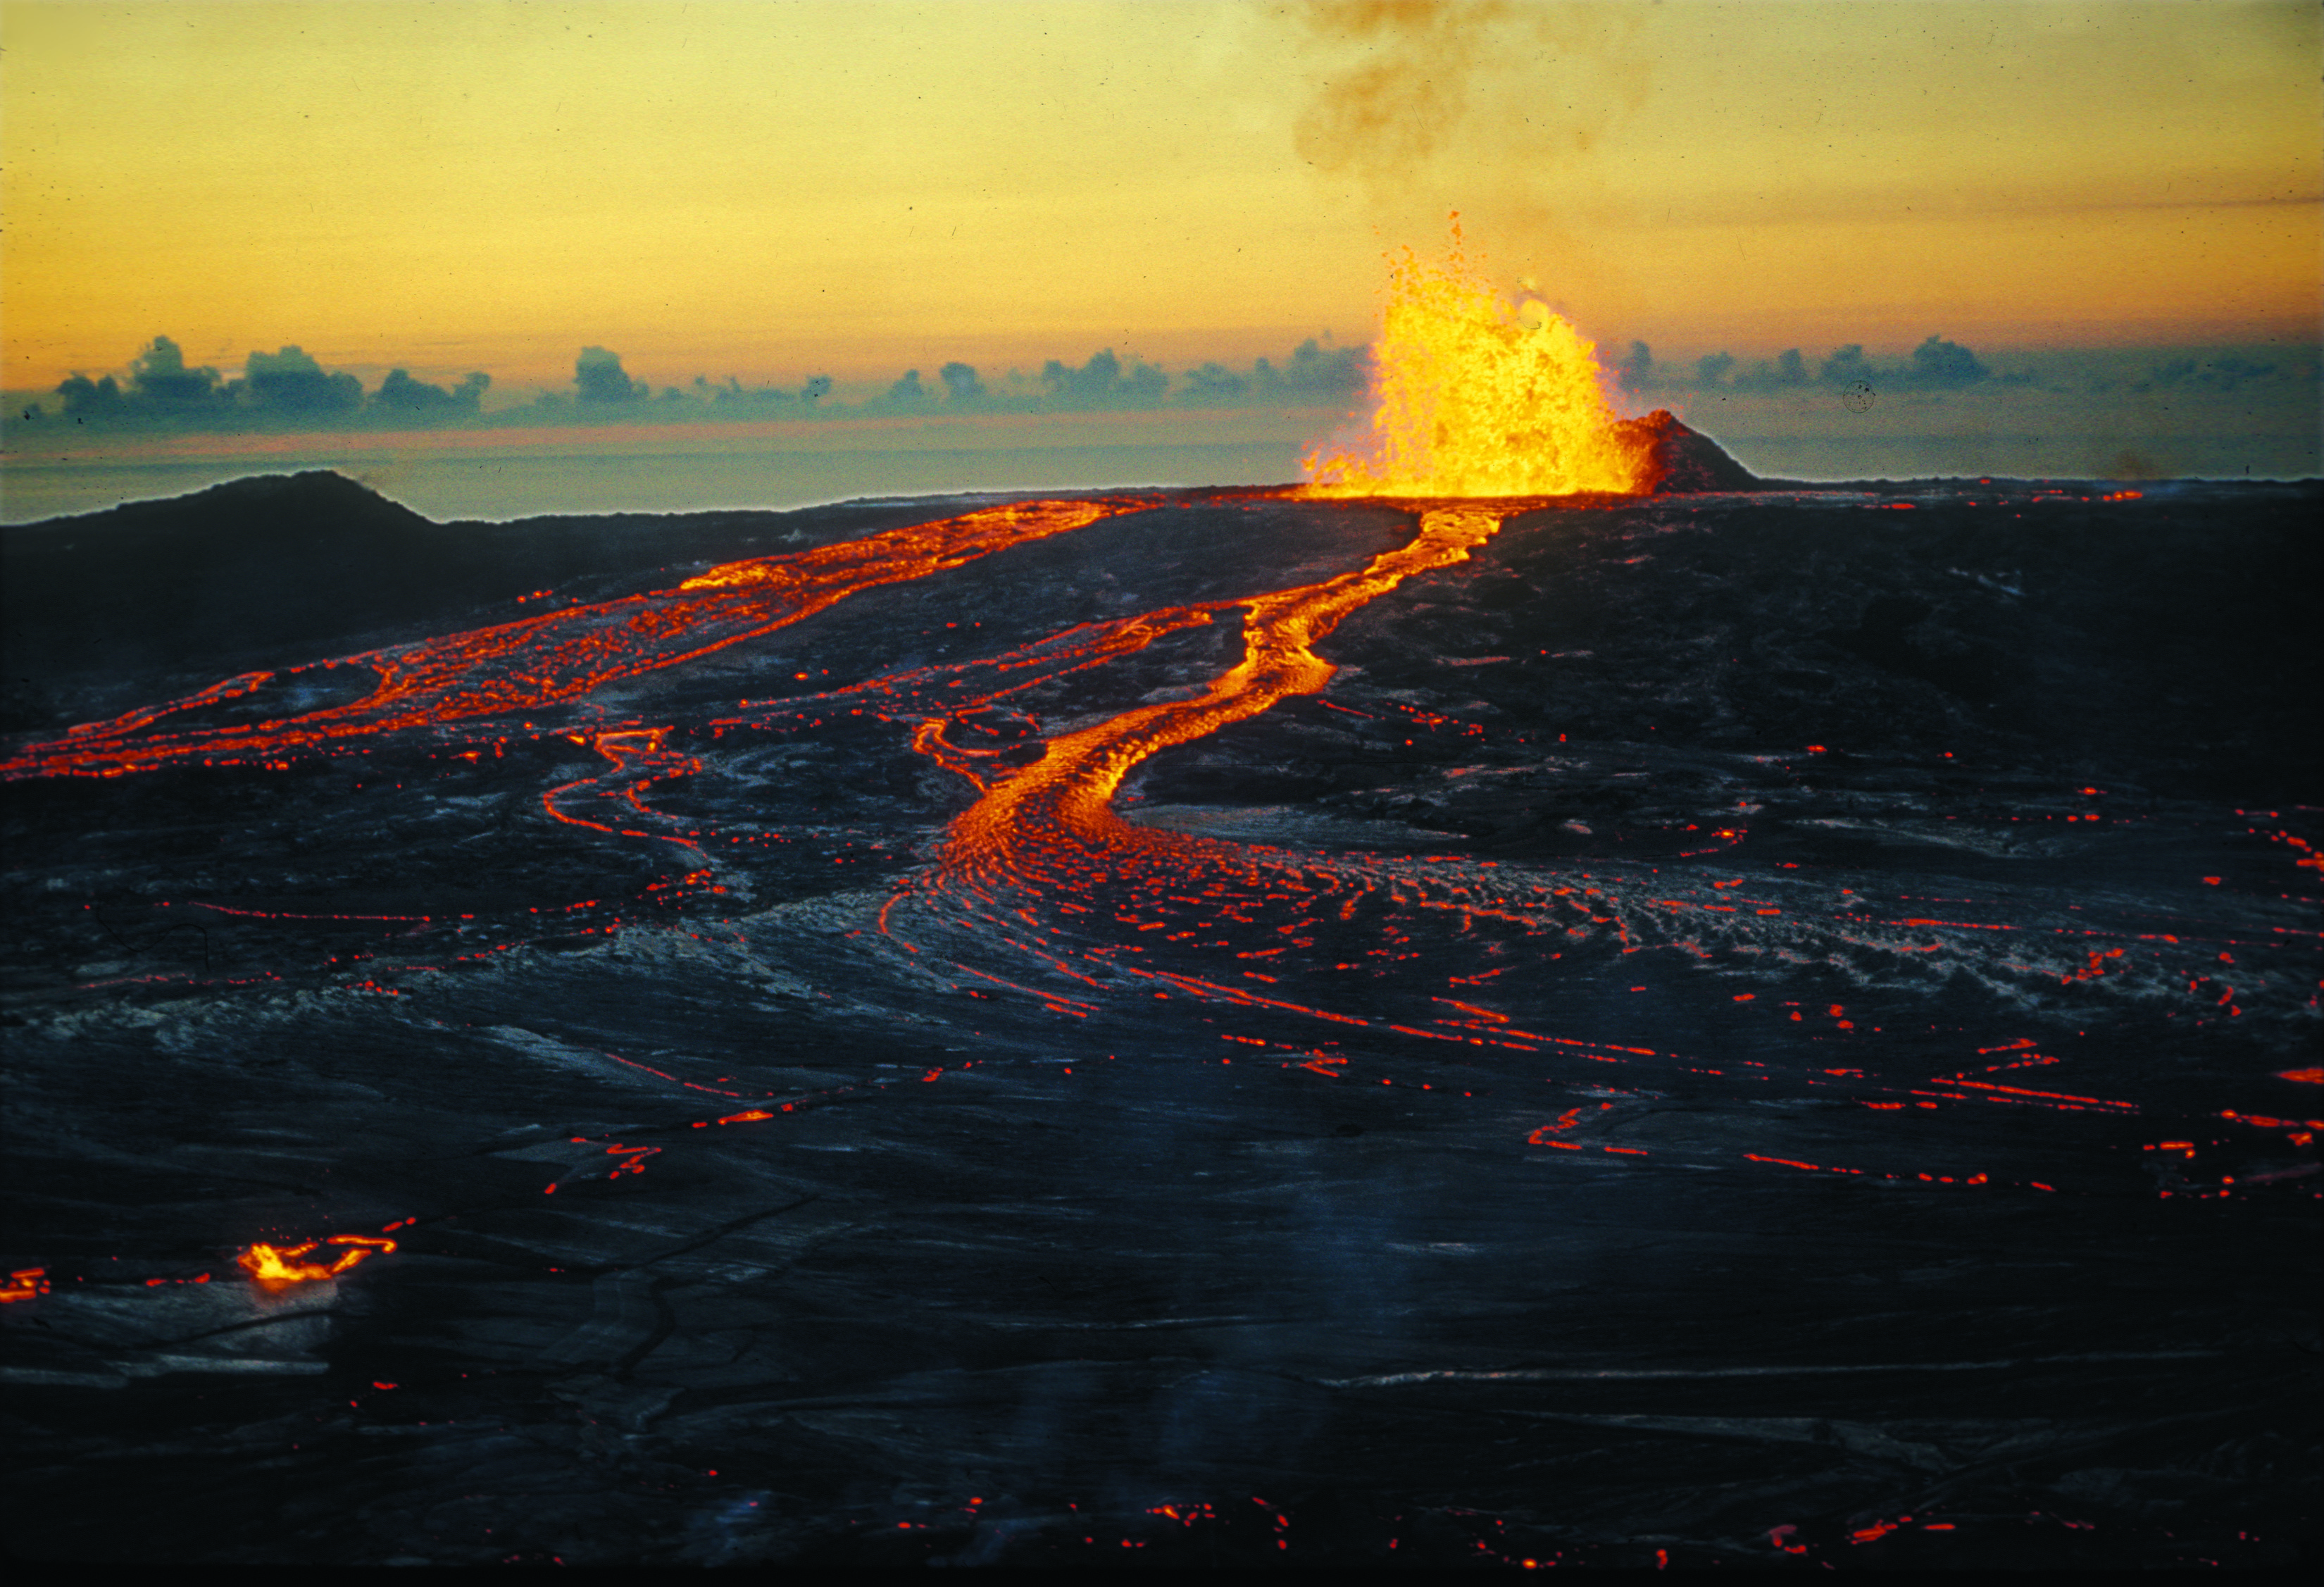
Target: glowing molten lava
1062,803
279,1265
1473,398
453,685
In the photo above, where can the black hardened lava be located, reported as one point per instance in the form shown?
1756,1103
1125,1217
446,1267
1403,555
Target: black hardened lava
1761,1026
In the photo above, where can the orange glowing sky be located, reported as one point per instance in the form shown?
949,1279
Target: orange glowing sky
765,189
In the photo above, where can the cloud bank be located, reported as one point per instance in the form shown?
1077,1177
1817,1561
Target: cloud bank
291,391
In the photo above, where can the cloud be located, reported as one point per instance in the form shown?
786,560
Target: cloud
1313,376
1213,384
598,377
1846,365
1314,371
86,399
1936,365
291,382
162,376
961,382
401,395
159,386
1101,383
1789,370
1939,365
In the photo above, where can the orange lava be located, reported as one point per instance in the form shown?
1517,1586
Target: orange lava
535,661
1475,398
279,1265
25,1283
1062,804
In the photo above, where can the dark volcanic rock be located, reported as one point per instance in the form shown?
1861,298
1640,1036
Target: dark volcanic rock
250,567
1731,1021
275,570
1686,460
108,610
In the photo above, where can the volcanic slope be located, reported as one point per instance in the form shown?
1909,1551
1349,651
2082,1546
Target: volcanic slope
1756,1026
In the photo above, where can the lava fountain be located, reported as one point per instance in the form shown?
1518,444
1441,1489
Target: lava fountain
1473,397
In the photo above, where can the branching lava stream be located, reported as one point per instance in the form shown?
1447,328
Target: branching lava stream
510,667
1066,797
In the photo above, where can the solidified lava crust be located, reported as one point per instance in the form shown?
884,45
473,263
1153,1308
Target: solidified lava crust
1752,1026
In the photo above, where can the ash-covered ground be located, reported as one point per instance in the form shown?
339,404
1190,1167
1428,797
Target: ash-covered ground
1773,1027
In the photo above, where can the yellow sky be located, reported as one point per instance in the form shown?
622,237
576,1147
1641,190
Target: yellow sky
765,189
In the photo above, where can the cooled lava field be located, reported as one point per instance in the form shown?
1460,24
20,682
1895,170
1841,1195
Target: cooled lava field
1770,1027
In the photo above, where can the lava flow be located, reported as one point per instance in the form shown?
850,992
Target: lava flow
1028,824
481,678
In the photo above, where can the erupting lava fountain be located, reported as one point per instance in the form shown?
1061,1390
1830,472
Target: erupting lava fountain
1474,398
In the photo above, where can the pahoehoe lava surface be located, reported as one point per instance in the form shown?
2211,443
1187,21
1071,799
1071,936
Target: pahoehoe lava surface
1773,1027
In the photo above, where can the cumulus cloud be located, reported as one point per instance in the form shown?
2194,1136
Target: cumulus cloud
1313,376
961,383
1939,363
598,377
291,382
160,376
400,395
86,399
1936,365
1315,371
1846,365
1101,382
1213,384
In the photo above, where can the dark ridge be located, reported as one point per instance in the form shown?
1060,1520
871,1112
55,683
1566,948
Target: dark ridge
281,569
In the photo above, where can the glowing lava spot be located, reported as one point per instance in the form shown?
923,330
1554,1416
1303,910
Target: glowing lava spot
279,1265
1474,398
